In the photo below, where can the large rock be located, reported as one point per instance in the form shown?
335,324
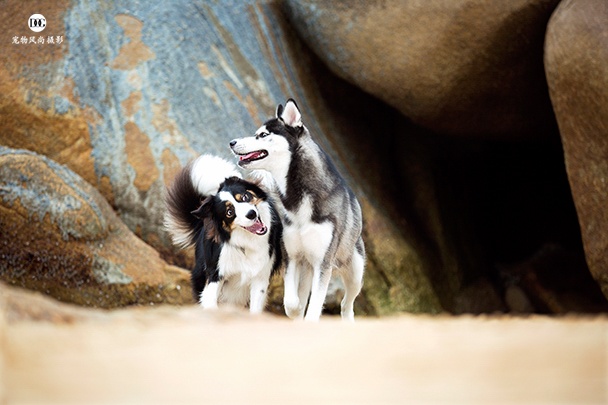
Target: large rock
458,67
474,208
129,91
137,89
576,62
60,237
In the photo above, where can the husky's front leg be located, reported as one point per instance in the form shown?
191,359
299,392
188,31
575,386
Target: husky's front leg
320,283
293,307
305,286
210,295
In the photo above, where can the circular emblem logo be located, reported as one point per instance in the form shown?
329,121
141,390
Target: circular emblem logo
37,22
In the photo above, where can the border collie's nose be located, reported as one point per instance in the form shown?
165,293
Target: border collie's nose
251,214
232,143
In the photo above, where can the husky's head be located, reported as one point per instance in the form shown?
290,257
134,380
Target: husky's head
270,148
237,204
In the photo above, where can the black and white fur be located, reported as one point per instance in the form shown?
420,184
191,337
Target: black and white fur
322,217
234,227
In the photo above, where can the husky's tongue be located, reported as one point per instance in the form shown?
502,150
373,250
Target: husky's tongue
250,156
257,228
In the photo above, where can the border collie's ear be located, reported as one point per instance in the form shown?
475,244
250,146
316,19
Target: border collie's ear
290,114
204,209
228,181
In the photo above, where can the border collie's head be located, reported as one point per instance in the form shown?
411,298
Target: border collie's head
235,206
272,143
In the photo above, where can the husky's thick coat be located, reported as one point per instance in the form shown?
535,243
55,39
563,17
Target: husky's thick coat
322,217
234,227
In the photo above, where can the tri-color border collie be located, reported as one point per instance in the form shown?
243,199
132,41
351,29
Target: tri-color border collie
322,217
234,227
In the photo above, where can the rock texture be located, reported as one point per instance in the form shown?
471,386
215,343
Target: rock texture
60,237
468,68
127,92
136,90
576,62
480,207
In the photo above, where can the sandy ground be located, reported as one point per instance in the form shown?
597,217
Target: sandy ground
55,353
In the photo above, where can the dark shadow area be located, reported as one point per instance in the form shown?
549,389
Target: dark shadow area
493,220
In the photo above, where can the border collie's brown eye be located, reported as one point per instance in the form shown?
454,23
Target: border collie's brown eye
229,212
246,197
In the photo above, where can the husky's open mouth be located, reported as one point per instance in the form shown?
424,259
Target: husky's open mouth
251,156
258,227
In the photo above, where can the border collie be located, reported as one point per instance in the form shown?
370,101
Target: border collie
322,217
234,227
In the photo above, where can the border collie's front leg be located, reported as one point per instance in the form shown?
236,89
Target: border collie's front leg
257,295
210,294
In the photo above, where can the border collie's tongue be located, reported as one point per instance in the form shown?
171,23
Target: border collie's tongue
257,228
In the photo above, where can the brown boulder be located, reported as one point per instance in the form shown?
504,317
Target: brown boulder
463,68
576,63
61,237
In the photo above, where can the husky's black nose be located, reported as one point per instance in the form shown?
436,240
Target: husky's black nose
232,143
251,214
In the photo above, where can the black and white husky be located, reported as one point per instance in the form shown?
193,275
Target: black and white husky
321,219
234,227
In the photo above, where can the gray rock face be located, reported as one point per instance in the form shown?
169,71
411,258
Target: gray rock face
137,89
129,91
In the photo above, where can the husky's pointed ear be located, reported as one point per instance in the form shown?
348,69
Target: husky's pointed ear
279,111
291,114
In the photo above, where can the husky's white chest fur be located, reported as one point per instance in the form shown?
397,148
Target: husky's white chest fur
304,239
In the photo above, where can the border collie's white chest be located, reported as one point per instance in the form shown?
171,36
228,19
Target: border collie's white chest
243,256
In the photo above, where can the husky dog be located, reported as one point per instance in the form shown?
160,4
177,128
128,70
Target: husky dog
234,227
322,217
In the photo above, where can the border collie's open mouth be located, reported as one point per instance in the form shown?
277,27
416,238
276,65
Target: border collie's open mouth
258,227
251,156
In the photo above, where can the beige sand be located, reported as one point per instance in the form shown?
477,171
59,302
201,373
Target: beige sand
56,353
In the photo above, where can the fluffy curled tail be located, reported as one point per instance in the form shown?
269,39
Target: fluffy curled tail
195,182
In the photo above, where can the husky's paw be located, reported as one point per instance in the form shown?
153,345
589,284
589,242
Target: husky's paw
293,309
348,316
295,313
